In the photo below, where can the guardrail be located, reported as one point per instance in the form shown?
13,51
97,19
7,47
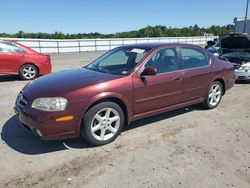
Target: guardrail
83,45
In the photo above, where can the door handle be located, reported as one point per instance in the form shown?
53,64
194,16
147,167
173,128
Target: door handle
177,78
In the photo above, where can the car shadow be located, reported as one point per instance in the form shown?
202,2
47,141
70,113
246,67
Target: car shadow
242,82
8,78
16,137
160,117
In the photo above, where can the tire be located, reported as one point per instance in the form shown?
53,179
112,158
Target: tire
28,72
98,128
214,95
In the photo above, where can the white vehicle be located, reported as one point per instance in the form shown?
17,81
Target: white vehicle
243,73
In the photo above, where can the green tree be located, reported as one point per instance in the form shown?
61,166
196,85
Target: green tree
148,31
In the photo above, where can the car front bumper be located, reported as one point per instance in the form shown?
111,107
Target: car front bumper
242,74
45,126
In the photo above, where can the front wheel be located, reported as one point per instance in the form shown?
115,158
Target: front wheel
28,72
102,123
214,96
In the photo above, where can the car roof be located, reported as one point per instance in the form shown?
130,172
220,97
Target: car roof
158,44
3,40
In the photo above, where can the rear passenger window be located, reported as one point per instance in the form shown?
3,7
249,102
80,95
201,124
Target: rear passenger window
192,58
9,47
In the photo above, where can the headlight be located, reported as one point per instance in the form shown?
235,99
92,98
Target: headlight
245,67
50,104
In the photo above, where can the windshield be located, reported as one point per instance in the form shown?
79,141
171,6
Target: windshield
120,61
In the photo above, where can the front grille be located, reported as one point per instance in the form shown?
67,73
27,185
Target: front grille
242,77
21,101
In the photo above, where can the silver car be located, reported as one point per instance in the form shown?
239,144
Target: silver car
243,73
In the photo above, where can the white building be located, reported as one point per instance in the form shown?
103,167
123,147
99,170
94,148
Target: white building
239,25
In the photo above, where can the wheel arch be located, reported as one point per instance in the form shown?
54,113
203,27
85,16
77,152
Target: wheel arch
111,98
221,80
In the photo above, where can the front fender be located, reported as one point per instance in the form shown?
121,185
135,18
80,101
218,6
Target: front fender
106,95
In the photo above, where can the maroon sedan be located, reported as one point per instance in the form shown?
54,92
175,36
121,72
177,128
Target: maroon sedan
125,84
21,60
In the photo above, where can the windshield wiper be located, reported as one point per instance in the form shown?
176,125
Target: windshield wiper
99,69
95,67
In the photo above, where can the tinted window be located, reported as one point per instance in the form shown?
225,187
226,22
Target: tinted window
9,47
192,58
165,60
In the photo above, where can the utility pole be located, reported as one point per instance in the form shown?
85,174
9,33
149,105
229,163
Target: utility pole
245,22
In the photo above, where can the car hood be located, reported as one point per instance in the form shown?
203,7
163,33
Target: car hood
237,58
235,42
60,83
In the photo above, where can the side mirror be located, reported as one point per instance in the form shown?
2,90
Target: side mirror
149,71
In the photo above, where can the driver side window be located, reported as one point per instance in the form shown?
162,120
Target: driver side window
164,60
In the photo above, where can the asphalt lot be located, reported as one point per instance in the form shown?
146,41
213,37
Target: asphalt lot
190,147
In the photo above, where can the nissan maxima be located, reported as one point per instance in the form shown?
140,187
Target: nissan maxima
125,84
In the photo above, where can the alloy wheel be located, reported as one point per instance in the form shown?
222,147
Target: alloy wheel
28,72
105,124
215,94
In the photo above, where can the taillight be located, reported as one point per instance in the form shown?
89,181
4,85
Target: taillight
47,58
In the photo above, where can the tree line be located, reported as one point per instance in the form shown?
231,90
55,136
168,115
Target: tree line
149,31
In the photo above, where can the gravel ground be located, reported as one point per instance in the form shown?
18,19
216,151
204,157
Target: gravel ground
190,147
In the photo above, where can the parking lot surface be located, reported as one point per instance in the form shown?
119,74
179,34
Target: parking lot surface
190,147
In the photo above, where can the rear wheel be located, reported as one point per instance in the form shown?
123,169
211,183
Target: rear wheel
28,72
102,123
214,96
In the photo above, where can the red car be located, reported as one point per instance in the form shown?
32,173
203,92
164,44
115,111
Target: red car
18,59
125,84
